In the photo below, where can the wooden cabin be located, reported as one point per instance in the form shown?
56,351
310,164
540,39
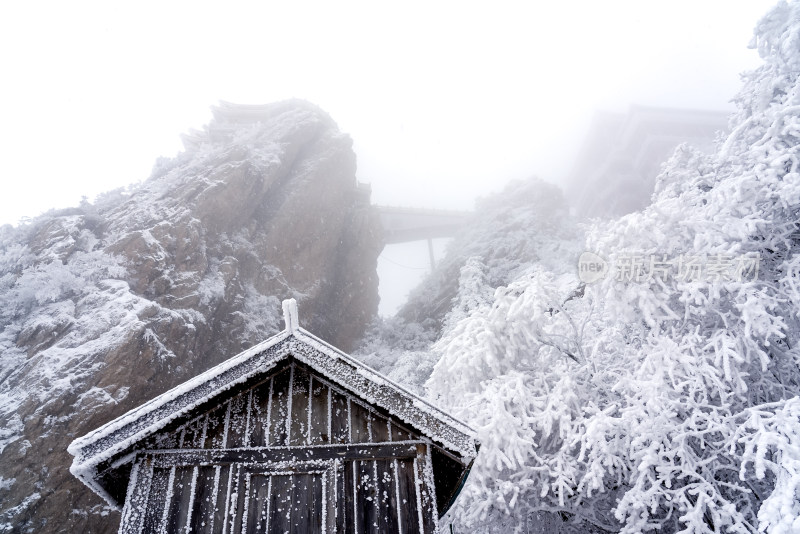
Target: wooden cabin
291,435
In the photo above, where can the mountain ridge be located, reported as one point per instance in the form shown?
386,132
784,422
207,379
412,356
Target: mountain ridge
110,303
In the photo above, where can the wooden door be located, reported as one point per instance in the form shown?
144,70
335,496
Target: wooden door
384,488
274,498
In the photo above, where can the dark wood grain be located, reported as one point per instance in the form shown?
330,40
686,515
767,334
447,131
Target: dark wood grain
401,433
257,497
348,496
192,434
136,504
225,482
237,420
407,512
318,416
178,511
215,427
299,415
278,407
379,428
340,419
428,504
387,496
302,503
366,498
281,504
238,501
259,414
156,500
264,459
359,423
204,501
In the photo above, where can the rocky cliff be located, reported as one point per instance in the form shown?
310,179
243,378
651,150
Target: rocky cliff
109,304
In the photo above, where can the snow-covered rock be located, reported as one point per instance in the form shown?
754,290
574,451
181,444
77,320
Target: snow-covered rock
109,304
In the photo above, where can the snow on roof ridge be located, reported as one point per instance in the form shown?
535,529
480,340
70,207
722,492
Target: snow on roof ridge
126,431
170,394
382,378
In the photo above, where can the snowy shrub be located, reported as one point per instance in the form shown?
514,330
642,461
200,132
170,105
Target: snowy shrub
652,403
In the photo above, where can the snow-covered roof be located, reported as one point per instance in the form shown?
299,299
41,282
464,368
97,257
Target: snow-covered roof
121,436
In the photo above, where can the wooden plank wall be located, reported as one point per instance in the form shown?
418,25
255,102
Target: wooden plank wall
217,490
259,417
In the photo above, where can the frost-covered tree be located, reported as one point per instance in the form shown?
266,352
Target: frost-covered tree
524,224
664,397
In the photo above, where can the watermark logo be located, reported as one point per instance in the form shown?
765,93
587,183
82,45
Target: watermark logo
630,267
591,267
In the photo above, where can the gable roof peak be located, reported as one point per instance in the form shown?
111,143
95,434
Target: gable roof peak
116,443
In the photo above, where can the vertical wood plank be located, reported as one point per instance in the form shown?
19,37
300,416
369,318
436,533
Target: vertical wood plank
221,477
429,495
359,423
237,421
289,399
336,501
340,422
156,500
178,507
426,499
136,502
344,498
215,428
268,499
317,503
249,416
257,508
352,510
302,503
366,497
386,497
407,496
202,443
398,499
326,494
310,408
192,496
202,518
277,408
240,502
318,414
280,519
260,414
379,428
329,414
299,406
221,518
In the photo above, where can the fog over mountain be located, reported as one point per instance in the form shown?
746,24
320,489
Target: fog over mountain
445,102
110,303
635,372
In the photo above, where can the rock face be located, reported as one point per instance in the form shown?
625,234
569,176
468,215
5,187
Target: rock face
107,305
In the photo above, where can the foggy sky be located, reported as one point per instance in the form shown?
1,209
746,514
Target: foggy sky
444,101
